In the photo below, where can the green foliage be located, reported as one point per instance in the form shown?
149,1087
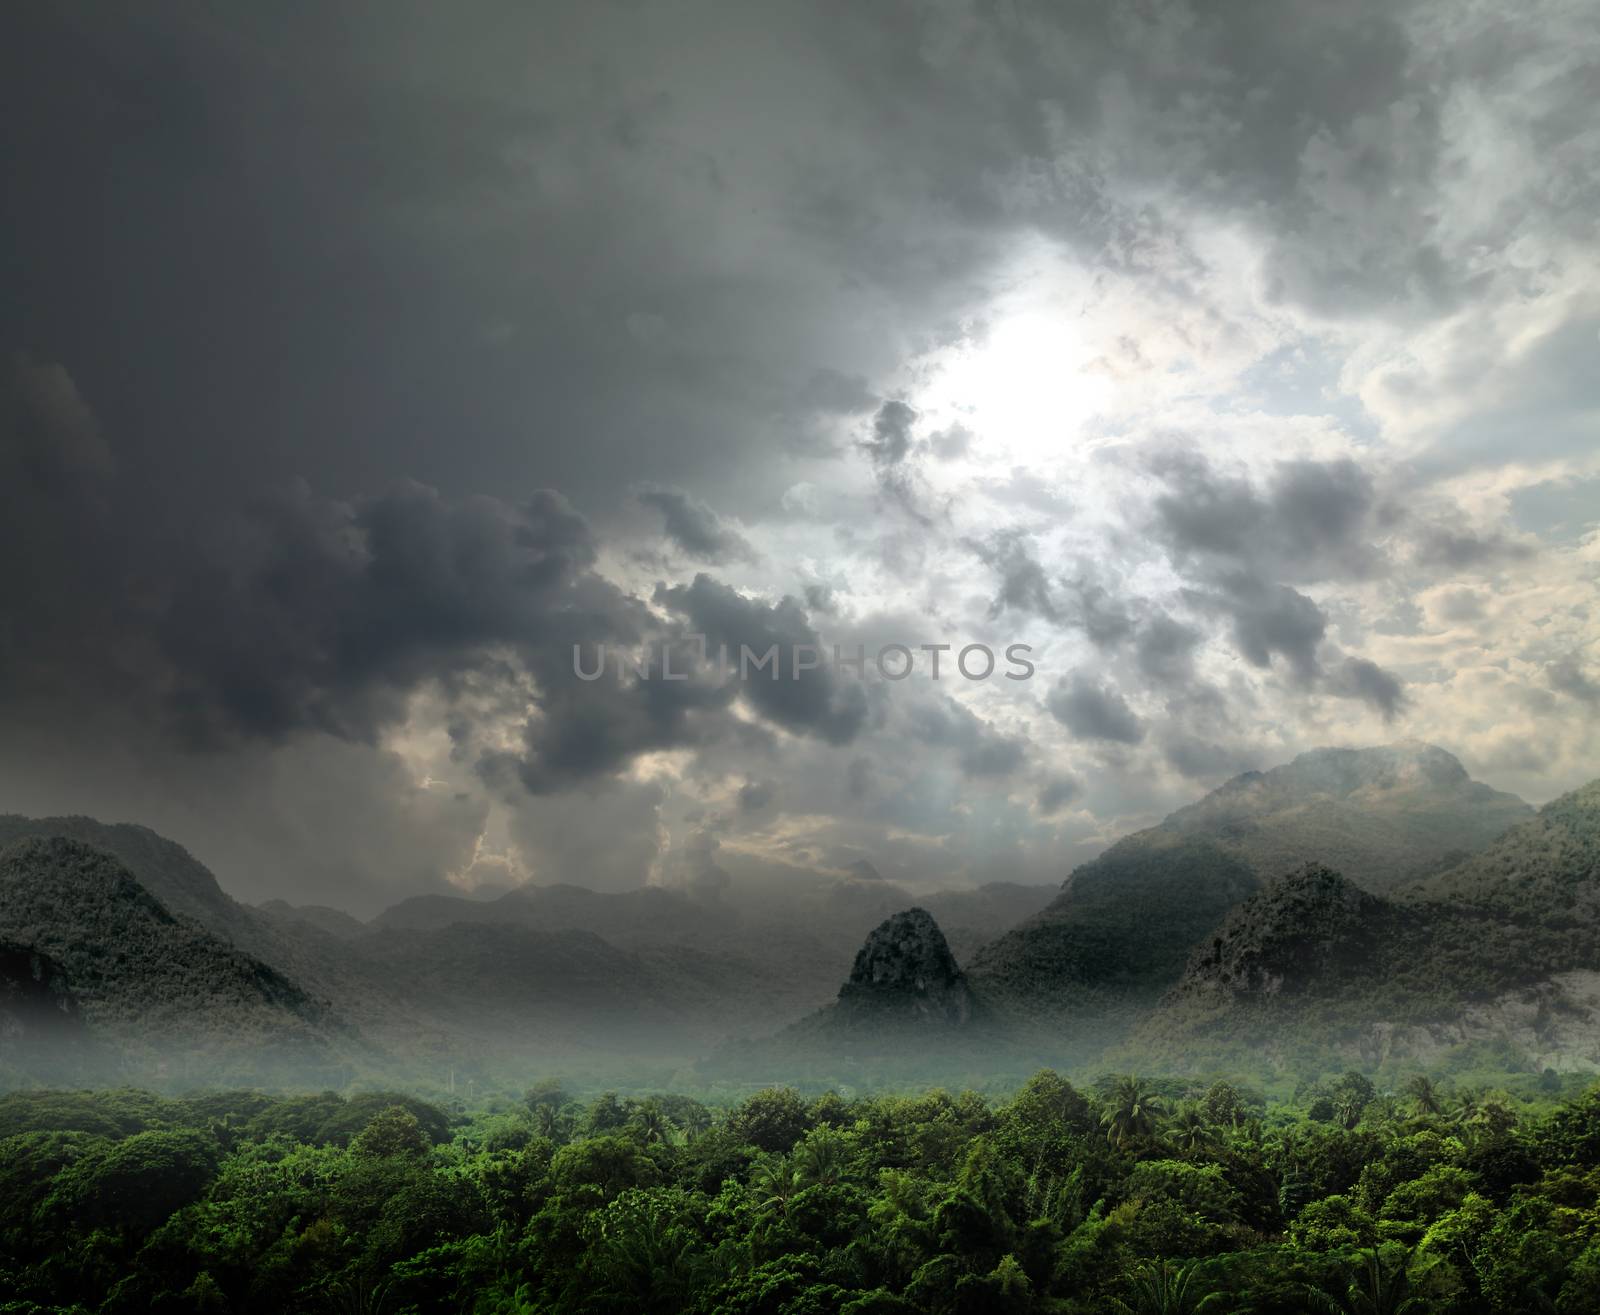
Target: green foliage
1145,1197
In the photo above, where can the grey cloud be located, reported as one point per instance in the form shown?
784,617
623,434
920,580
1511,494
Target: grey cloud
1568,677
1024,586
1103,618
324,614
49,437
1445,548
756,796
1165,648
1312,521
980,750
817,703
1094,712
890,443
1057,792
1357,678
694,527
1205,760
1273,620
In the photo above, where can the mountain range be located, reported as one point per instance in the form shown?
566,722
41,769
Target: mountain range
1359,903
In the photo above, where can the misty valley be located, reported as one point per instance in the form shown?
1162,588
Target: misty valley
1327,1036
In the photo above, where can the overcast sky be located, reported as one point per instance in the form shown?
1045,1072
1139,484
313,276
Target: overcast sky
360,360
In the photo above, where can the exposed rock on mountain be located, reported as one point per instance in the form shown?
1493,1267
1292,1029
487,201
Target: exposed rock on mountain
139,974
1301,931
1504,948
906,968
35,1000
1122,929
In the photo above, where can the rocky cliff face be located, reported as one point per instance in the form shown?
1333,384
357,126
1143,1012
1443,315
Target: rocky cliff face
35,1001
1125,924
1300,932
906,967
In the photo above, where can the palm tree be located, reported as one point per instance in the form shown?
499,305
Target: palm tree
1133,1111
651,1123
1496,1115
775,1182
1425,1097
1190,1130
820,1158
550,1122
1377,1288
1165,1288
694,1120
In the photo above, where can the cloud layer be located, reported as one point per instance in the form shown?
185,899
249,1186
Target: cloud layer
1236,360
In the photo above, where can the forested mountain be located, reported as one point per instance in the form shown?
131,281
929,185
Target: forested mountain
1124,924
1503,948
39,1019
155,984
1181,937
800,941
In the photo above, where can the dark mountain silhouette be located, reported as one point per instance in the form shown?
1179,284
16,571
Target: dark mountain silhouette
1504,947
905,1005
1121,930
151,982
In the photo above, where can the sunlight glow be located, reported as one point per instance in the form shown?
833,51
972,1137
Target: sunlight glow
1021,388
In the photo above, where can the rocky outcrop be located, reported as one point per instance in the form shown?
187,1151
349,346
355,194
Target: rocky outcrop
1302,931
906,968
1121,932
36,1005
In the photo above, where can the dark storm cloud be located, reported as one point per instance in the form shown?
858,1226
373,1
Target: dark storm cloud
1568,677
818,702
1057,792
980,750
890,443
1449,549
694,527
1165,648
1312,521
1094,712
1357,678
756,796
889,448
1273,620
324,614
1023,583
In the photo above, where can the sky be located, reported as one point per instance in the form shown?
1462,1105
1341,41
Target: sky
358,362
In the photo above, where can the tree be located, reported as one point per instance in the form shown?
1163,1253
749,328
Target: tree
393,1131
1189,1130
1166,1288
1133,1111
772,1120
1425,1097
1381,1286
651,1123
821,1157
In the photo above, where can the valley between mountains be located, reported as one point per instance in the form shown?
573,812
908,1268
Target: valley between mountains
1352,907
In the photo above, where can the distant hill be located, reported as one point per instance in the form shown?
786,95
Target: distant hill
1503,948
335,922
800,944
1121,930
154,982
